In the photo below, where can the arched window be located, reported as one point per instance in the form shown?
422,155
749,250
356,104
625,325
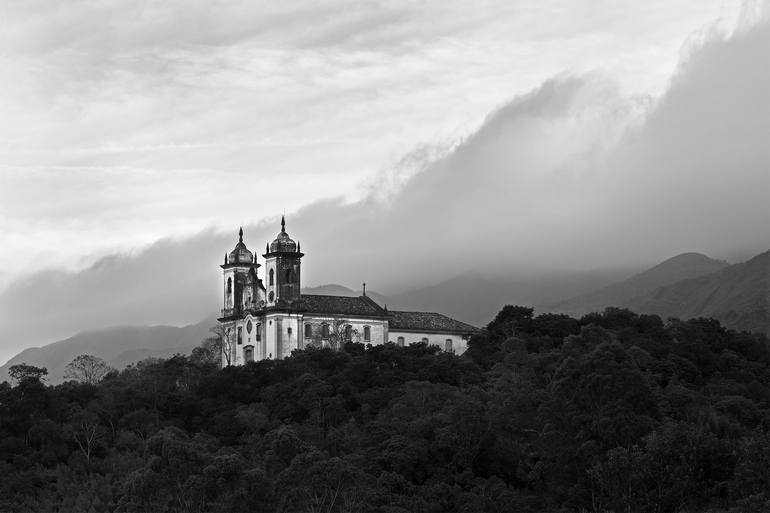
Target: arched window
308,330
289,276
367,333
248,354
400,341
271,278
325,330
448,345
240,335
258,335
229,285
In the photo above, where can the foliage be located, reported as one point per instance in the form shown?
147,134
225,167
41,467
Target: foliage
611,412
87,369
23,371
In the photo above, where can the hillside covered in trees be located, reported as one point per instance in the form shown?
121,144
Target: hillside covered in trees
610,412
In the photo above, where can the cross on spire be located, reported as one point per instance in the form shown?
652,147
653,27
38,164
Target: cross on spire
283,225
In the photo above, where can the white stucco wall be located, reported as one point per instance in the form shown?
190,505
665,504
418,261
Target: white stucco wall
378,328
459,344
282,335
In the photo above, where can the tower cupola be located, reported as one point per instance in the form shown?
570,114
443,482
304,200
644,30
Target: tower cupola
241,254
283,265
283,243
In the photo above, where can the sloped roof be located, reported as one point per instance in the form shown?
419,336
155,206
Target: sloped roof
427,321
342,305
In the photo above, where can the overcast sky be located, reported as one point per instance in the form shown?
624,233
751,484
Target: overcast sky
526,135
125,122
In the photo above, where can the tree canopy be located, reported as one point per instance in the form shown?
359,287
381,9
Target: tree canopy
87,369
544,413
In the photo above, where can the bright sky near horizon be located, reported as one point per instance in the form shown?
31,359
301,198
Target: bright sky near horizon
126,122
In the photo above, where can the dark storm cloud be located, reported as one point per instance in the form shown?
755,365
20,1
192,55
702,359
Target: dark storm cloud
572,175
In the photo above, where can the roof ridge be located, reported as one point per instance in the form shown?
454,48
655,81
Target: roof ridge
372,302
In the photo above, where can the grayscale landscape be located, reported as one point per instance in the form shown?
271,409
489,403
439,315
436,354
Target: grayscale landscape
385,256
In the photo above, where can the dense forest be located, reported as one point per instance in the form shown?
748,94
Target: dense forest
610,412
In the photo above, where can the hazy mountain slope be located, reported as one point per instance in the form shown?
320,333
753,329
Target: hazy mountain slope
118,345
680,267
476,298
738,295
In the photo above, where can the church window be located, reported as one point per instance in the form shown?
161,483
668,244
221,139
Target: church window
249,326
400,341
325,330
289,276
271,278
448,345
308,330
240,335
248,354
367,333
270,296
229,285
259,333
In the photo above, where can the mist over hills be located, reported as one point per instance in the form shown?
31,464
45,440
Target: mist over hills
118,346
471,298
687,285
737,295
680,267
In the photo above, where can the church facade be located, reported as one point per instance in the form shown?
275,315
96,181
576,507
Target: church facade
269,319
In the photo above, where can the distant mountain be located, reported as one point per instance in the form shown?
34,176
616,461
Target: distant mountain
738,295
476,298
119,346
690,285
680,267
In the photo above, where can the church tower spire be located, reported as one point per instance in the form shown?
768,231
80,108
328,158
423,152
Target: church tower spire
282,266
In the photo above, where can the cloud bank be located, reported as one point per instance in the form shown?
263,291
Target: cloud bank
573,175
127,122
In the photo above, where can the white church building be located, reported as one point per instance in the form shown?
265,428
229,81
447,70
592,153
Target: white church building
270,318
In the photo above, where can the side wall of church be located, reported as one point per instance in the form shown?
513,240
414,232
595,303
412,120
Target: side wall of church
282,334
459,343
378,329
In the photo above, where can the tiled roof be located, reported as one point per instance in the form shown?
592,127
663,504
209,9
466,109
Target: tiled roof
427,321
342,305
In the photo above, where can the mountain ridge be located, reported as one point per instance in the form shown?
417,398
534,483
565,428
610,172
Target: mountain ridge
680,267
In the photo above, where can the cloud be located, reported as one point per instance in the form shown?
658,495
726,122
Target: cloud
127,122
575,174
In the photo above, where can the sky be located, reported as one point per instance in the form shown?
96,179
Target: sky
406,142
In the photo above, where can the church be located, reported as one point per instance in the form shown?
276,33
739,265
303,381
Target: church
270,318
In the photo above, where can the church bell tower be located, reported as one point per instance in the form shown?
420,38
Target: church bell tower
241,285
282,269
